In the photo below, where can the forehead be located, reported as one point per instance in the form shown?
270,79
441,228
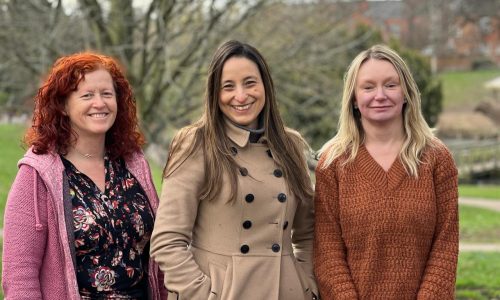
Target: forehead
239,66
376,68
100,77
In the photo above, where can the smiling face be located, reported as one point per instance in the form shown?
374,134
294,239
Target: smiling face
378,93
242,95
92,107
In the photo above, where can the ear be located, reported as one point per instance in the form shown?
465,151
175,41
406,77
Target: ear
64,111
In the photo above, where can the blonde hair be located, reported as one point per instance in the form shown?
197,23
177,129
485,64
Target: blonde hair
350,135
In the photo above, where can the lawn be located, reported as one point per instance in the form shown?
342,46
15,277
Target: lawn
478,276
479,225
480,191
10,139
465,87
156,172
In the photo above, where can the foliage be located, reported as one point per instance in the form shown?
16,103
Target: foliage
428,84
479,225
308,48
10,139
480,191
165,47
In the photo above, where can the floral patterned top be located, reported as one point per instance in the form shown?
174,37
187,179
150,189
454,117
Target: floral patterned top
112,228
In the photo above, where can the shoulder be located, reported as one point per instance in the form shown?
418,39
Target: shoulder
437,152
325,168
136,161
185,146
328,159
297,140
294,135
40,162
440,159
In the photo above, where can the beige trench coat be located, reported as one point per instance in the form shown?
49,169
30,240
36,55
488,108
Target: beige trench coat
234,251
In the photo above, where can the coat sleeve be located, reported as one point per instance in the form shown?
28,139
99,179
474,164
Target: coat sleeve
25,236
302,240
172,233
330,262
439,277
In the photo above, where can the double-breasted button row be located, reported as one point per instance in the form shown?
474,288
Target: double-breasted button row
247,224
234,151
243,171
249,198
245,248
281,197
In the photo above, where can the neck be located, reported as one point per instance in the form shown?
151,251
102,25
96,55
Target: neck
88,149
383,133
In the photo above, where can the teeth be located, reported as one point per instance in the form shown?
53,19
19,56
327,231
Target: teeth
101,115
242,107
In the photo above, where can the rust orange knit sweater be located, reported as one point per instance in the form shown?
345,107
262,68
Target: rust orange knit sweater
386,235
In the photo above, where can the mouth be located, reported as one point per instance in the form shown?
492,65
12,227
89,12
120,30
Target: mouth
98,115
380,107
242,107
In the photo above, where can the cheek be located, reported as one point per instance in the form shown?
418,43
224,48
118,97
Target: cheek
223,99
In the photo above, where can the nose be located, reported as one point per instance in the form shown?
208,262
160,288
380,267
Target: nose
98,101
380,94
240,95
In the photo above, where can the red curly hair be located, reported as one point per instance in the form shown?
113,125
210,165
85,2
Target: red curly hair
51,128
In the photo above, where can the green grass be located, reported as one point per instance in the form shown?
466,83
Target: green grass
477,276
10,141
479,225
465,87
156,173
480,191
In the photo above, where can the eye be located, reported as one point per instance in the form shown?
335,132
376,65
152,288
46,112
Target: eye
250,82
107,94
227,86
87,96
367,87
391,85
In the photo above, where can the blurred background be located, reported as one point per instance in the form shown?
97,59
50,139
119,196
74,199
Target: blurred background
451,46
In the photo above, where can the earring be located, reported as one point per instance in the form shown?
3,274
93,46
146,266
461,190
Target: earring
355,106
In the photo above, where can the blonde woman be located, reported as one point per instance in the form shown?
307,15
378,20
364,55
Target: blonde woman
386,192
235,220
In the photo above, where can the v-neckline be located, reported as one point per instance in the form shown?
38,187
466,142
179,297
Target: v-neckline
376,175
97,189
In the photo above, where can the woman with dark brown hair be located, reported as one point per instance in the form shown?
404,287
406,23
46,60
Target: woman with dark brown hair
235,220
80,212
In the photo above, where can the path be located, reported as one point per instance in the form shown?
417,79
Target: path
482,203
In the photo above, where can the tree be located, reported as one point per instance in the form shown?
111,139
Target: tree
428,84
165,47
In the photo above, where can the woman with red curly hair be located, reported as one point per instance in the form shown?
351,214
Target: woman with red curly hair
80,212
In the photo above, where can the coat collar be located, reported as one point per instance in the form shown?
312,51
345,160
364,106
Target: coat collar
238,135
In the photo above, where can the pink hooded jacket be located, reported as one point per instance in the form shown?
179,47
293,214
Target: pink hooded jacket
38,250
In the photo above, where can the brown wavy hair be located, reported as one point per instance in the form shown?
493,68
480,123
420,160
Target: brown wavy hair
51,129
